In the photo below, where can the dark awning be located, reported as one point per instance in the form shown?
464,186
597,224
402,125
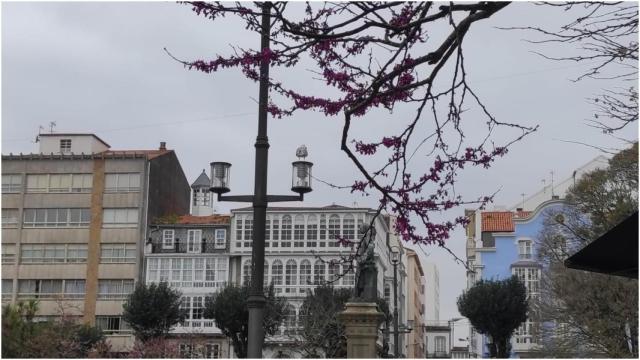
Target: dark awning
614,253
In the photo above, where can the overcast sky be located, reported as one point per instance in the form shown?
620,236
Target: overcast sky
101,68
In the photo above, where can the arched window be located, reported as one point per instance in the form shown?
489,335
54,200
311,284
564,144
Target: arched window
290,276
318,271
349,227
298,231
265,280
334,229
312,231
275,228
349,277
286,231
276,275
305,274
334,273
246,272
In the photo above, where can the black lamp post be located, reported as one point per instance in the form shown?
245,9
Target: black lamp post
395,260
301,183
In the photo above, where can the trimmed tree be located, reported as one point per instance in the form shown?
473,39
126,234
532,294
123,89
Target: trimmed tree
231,314
152,310
495,308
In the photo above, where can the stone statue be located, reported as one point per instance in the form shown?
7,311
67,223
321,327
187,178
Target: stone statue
367,273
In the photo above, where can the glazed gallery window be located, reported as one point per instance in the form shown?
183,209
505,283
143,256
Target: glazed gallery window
74,217
188,272
194,241
122,182
220,238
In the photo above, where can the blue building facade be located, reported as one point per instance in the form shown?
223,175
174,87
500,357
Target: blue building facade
501,244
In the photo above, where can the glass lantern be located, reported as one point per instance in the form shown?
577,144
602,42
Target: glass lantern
220,174
301,177
395,255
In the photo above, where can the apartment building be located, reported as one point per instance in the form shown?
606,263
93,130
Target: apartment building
74,216
415,306
300,243
191,254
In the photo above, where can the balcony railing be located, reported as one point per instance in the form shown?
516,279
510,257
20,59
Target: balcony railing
181,247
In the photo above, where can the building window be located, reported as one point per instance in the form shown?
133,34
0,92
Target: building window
441,344
221,238
9,218
349,227
65,146
246,272
187,272
312,231
248,232
289,323
305,274
334,230
74,289
49,253
239,231
167,239
11,183
267,231
117,253
8,253
115,289
349,277
318,271
212,351
7,288
194,241
56,183
323,231
75,217
122,182
524,249
40,289
291,274
298,231
276,275
334,273
123,217
276,232
286,231
112,325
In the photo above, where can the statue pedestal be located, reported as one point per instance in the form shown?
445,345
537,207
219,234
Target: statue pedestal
361,322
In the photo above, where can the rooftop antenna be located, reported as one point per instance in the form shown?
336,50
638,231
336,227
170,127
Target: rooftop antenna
40,128
552,194
544,185
52,125
523,194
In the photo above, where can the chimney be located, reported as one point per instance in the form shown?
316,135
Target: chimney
555,197
163,145
518,209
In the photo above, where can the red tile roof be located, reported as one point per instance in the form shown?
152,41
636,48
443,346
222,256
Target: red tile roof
497,221
204,220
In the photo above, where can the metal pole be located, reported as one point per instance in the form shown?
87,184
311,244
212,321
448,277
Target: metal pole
396,333
256,301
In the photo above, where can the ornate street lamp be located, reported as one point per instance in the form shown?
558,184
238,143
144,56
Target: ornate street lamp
221,184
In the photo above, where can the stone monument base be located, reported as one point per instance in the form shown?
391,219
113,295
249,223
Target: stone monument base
361,320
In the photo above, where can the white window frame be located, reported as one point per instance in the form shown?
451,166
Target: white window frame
168,238
122,249
525,249
65,146
194,241
11,183
220,236
130,187
128,214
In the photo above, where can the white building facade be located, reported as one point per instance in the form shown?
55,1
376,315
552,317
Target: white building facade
300,243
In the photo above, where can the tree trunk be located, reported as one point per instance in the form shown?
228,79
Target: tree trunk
503,348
